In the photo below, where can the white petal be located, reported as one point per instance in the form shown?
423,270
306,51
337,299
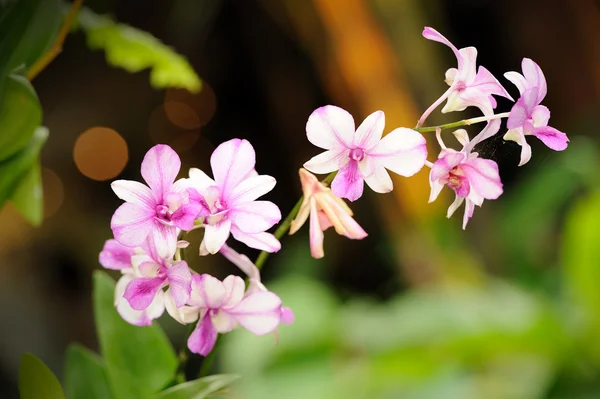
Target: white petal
403,151
328,161
216,235
369,132
134,192
330,126
380,181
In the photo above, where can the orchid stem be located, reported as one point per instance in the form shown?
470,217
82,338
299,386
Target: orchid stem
287,222
464,122
56,48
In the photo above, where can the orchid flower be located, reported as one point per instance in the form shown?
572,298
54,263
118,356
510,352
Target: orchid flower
467,88
473,179
155,211
116,256
156,273
528,117
228,203
325,210
361,155
222,307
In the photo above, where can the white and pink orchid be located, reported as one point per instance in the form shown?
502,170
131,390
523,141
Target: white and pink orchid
528,117
228,203
158,210
361,155
325,210
473,179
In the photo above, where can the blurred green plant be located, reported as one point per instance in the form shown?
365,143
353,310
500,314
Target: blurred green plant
31,36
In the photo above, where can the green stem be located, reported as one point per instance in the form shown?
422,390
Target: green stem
464,122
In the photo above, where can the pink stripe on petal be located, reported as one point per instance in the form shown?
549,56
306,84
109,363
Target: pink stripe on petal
165,240
185,216
159,168
231,162
329,127
134,192
140,292
115,256
370,131
131,224
262,241
203,338
259,312
180,283
255,217
553,138
348,183
483,177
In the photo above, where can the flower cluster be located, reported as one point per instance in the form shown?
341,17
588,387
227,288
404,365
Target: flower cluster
146,248
149,226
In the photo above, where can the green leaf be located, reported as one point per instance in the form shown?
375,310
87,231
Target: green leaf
139,360
85,375
135,50
198,389
27,30
15,168
28,197
37,381
20,114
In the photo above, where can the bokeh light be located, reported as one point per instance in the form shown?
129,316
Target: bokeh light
203,105
100,153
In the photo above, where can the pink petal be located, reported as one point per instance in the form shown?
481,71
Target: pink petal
341,218
369,132
380,181
553,138
185,216
488,131
518,80
403,151
466,71
234,288
203,339
259,312
436,189
522,109
483,177
141,317
535,78
472,97
469,208
223,322
328,161
454,205
115,256
518,137
432,34
215,235
316,235
140,292
231,162
132,223
348,183
159,168
251,189
287,316
164,239
148,269
183,315
486,83
180,283
255,217
540,116
241,261
329,127
262,241
464,188
134,192
210,294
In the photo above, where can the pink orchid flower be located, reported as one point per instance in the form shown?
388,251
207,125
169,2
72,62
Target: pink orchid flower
325,210
467,88
228,203
361,155
115,256
222,307
473,179
158,210
528,117
156,273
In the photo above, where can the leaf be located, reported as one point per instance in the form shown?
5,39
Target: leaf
27,30
20,114
85,375
15,168
135,50
198,389
37,381
28,197
139,360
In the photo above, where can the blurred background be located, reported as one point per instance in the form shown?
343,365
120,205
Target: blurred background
510,308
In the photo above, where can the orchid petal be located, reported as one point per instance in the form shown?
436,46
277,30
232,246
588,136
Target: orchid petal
327,161
262,241
467,71
140,292
518,80
185,216
287,315
141,317
518,136
522,109
211,292
215,235
223,322
132,223
115,255
200,180
203,338
454,205
370,130
241,261
349,182
329,127
250,189
380,181
316,235
483,177
184,314
432,34
255,217
234,288
165,240
231,162
540,116
403,151
436,188
159,169
134,192
259,312
486,83
535,78
488,131
553,138
339,216
301,216
180,283
469,208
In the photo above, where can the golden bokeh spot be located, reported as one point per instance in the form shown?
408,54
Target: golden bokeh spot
54,194
203,104
100,153
181,115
